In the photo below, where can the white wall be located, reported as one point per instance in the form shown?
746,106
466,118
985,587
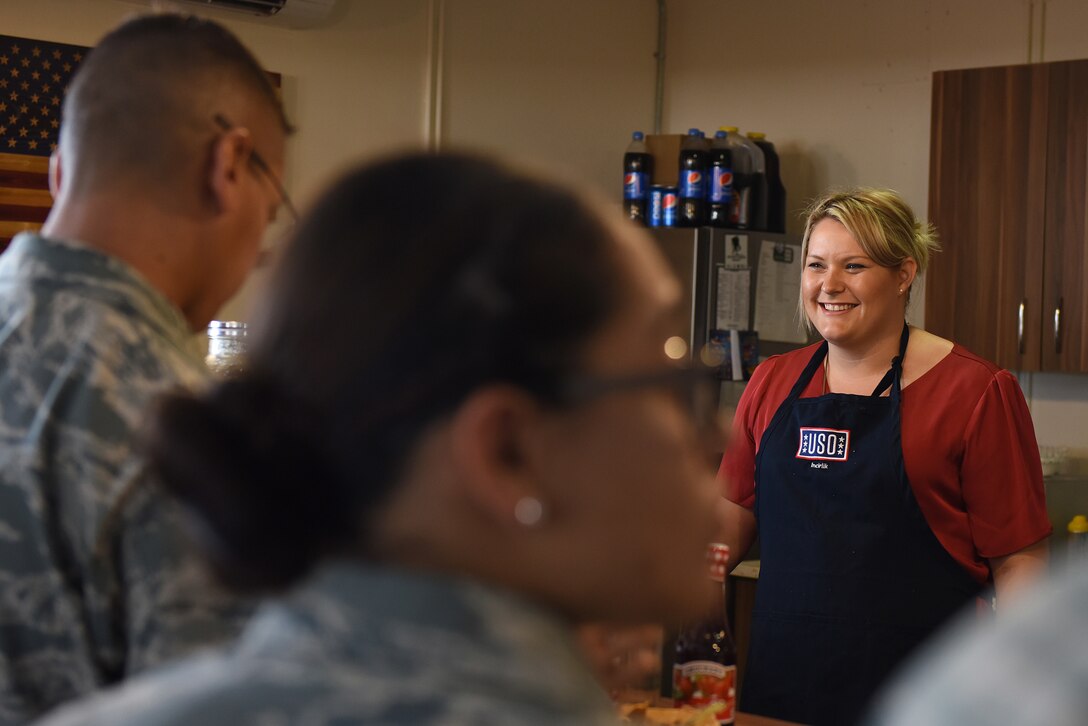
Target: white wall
842,87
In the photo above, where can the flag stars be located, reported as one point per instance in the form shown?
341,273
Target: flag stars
56,78
35,75
14,72
25,62
56,54
67,67
13,119
44,134
37,52
23,132
34,98
3,60
54,123
15,50
23,109
45,88
32,144
25,86
55,101
3,83
47,64
78,56
45,110
3,130
33,120
11,143
3,106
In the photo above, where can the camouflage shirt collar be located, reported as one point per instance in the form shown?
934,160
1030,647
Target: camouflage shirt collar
38,260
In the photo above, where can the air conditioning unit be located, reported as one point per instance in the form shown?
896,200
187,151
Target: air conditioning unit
289,13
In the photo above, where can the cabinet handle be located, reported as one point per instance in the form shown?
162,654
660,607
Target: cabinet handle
1058,326
1020,326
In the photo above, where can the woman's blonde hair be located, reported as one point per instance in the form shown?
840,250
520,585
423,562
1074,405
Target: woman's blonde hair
881,221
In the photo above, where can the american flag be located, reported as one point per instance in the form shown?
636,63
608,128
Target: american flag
34,76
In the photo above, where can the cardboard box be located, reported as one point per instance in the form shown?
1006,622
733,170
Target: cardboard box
665,148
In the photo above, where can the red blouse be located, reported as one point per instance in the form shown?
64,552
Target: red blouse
968,445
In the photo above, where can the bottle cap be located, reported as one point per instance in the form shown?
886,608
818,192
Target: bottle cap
719,134
757,135
717,556
1078,525
728,129
693,132
638,136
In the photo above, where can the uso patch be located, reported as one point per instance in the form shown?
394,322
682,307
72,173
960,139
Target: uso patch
824,444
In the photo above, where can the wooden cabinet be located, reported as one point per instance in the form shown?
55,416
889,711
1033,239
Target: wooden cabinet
1008,165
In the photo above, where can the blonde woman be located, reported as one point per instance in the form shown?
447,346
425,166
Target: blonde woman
891,475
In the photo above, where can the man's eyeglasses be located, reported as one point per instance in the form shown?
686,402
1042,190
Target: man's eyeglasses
695,387
262,166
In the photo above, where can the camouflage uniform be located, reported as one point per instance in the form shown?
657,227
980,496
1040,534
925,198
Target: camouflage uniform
93,583
358,645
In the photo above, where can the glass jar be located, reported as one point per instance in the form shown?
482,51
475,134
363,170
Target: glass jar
226,347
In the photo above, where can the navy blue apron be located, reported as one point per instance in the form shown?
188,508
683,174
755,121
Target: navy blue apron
851,577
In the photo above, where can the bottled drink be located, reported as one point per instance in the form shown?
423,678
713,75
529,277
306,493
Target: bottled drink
757,207
776,192
705,669
226,347
693,165
742,178
720,195
638,169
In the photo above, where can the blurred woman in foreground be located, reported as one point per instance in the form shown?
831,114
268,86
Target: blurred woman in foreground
458,434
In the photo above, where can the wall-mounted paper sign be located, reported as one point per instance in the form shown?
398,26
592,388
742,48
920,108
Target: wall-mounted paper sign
777,290
733,309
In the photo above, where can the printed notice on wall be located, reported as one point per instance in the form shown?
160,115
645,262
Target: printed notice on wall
736,252
733,299
777,286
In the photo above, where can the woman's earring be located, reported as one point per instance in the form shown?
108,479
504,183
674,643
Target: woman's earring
900,291
528,511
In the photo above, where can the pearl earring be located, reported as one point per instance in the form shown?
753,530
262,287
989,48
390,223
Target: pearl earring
528,511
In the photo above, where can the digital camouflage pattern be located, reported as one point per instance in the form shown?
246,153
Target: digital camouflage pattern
94,581
358,645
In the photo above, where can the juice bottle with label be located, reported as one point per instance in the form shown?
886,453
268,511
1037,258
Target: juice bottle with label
705,669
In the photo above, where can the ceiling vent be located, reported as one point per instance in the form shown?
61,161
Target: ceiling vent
288,13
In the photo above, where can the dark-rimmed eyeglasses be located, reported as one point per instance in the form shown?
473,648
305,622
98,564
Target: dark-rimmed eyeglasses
262,166
696,387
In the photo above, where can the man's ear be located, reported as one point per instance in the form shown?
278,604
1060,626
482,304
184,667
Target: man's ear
56,175
230,154
490,437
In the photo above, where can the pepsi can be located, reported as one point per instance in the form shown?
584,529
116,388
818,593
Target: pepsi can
664,202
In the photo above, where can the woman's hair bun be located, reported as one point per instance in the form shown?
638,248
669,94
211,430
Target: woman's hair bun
244,467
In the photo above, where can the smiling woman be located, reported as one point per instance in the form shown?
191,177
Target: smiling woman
894,474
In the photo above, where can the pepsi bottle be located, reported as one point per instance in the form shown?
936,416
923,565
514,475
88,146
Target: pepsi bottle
638,169
776,192
693,166
720,195
758,205
743,164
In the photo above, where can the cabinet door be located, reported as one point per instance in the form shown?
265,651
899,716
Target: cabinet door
986,199
1065,291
